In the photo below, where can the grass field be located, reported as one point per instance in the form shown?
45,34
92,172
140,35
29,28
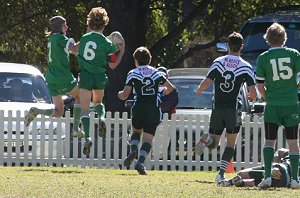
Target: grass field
79,182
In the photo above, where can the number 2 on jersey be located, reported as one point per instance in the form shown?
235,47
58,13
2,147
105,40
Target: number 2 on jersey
147,88
281,71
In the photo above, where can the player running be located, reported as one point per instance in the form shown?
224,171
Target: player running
95,53
146,112
228,73
60,80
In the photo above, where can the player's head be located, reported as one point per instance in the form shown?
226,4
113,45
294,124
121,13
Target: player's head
97,19
235,42
58,24
142,56
163,70
275,35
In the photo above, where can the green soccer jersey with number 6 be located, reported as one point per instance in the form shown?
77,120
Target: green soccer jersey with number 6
278,68
58,71
94,49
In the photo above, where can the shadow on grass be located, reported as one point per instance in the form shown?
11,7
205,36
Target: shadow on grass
52,171
204,182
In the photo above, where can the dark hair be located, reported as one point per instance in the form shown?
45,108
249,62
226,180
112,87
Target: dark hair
55,24
235,41
97,19
142,55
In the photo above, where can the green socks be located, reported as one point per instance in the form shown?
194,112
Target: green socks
268,159
226,157
76,116
294,159
100,109
47,112
85,120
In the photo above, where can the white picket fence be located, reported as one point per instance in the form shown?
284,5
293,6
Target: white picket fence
47,142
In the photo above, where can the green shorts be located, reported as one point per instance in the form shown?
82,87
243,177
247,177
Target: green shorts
92,81
61,89
225,118
282,115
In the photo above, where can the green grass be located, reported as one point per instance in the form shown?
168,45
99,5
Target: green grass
79,182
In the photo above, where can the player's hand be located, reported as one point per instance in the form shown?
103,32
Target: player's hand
198,91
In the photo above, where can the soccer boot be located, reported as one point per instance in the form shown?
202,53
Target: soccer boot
295,184
266,183
219,178
102,127
30,116
128,160
139,167
78,133
87,146
199,148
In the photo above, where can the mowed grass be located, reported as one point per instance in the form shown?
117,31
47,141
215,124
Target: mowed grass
80,182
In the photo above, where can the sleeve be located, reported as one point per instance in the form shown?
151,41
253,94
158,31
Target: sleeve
260,73
250,79
297,61
112,56
64,42
212,72
130,79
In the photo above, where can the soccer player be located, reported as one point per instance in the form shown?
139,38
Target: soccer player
60,80
249,177
228,73
276,76
146,112
95,53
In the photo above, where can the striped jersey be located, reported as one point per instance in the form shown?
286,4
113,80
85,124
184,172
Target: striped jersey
278,68
229,73
145,81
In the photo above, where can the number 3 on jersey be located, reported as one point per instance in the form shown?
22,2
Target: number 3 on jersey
281,71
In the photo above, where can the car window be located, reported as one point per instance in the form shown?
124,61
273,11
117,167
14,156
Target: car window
187,97
19,87
254,41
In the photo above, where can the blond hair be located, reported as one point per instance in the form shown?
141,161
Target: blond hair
275,35
97,19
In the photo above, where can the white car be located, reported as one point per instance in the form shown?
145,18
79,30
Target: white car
22,87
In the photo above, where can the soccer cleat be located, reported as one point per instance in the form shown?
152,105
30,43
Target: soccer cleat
87,146
295,184
237,180
140,168
266,183
199,148
102,127
129,159
30,116
225,183
219,178
77,133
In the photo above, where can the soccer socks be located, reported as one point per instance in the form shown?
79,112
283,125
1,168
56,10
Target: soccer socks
134,142
294,159
76,116
226,157
268,159
144,151
47,112
100,109
85,120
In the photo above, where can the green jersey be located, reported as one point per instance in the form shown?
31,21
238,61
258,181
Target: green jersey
58,71
278,68
229,73
145,81
94,51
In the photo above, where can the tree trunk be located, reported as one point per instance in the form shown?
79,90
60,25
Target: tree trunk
129,18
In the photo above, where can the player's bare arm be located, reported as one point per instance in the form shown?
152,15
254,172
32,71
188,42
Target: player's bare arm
261,89
119,55
204,85
168,87
124,94
252,93
73,48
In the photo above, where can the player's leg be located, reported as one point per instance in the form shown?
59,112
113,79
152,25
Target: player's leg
85,98
98,93
77,132
210,139
100,109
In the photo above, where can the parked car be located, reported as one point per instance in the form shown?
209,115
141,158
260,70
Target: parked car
22,87
255,27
